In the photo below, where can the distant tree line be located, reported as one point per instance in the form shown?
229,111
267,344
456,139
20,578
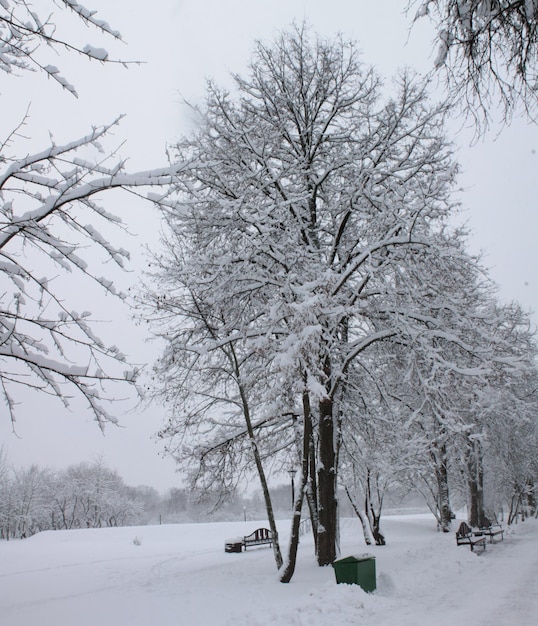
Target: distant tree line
87,495
91,495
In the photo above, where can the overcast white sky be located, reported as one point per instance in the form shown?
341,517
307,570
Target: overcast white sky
182,43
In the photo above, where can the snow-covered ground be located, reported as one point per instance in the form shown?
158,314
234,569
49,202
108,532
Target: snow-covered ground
180,575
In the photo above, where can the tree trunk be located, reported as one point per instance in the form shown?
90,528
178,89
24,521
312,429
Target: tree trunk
288,568
374,517
514,506
328,506
366,530
263,480
311,493
480,492
439,456
268,504
473,498
476,486
531,497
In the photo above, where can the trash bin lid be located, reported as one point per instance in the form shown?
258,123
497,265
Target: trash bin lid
355,558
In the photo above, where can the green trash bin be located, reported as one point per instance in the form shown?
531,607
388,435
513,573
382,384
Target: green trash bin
356,570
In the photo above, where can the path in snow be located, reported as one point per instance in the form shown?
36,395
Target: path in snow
513,585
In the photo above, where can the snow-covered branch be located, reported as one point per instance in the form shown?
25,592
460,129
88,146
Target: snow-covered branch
23,31
50,213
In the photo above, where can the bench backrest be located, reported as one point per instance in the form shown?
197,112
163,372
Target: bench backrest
463,530
261,534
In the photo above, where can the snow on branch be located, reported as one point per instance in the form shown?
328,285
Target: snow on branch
51,221
89,17
23,31
95,53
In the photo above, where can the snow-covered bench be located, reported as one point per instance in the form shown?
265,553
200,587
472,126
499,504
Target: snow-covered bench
466,537
260,537
492,530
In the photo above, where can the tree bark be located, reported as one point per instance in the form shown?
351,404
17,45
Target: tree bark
531,497
312,490
367,531
374,517
261,474
288,568
328,505
439,455
476,485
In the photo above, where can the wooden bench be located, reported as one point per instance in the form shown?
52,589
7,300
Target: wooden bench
260,537
492,530
466,537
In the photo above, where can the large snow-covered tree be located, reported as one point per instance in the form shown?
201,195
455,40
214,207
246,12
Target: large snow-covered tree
53,223
488,50
305,195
